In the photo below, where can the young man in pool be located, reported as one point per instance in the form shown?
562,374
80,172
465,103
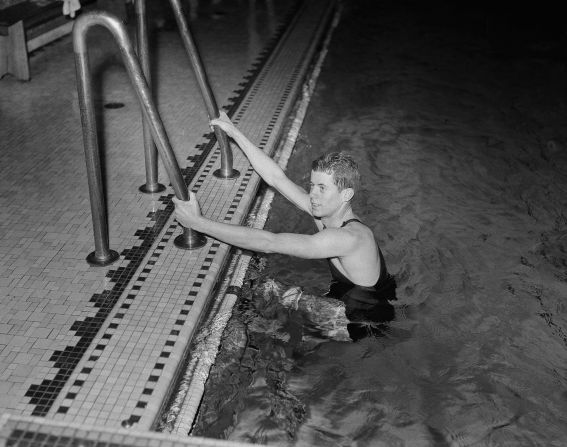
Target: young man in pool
360,278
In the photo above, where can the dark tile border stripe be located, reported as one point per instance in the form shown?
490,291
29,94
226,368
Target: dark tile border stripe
44,394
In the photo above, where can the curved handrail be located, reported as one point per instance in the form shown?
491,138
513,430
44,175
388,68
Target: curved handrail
102,254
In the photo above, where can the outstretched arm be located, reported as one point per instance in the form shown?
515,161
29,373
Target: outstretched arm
266,168
324,244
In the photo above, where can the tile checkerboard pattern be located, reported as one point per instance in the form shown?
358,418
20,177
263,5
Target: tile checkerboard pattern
102,346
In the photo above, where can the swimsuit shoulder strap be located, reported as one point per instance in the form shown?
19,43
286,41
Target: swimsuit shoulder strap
349,221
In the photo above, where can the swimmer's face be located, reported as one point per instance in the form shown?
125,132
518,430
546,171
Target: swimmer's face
325,196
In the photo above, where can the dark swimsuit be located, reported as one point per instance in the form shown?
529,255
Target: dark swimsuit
364,303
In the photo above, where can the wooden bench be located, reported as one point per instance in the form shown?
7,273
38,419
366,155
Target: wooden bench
27,26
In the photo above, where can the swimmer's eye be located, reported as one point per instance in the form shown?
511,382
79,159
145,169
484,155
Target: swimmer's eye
321,188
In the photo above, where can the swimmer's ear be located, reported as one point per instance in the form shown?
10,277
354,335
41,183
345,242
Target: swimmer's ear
348,194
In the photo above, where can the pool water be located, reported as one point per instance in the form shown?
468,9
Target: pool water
458,128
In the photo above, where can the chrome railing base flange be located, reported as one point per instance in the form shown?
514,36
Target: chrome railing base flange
146,189
101,261
219,173
190,240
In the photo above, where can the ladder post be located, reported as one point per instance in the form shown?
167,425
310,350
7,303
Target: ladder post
150,152
226,170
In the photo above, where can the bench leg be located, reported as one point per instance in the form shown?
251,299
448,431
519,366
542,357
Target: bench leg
18,63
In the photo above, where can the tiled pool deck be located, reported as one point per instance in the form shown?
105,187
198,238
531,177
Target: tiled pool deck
85,347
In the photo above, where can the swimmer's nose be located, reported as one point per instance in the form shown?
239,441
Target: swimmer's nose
312,192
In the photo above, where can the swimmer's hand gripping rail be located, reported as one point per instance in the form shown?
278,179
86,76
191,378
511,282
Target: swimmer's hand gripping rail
102,254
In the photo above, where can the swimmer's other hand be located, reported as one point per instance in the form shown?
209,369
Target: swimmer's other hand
224,122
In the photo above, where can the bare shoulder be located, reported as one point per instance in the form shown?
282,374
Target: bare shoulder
362,237
357,228
361,263
357,236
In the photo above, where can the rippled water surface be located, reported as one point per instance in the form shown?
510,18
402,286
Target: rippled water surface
457,118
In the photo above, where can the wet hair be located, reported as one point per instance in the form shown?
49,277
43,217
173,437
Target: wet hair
341,166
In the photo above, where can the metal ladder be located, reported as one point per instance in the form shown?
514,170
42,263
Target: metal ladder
156,140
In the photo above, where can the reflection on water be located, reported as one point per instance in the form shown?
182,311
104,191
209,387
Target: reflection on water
463,153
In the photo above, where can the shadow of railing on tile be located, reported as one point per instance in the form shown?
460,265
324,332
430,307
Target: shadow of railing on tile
103,255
